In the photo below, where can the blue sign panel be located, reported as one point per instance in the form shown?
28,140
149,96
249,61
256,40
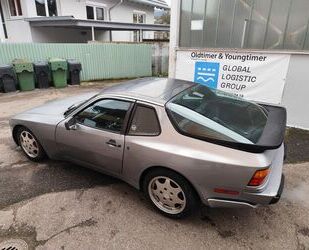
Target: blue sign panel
207,73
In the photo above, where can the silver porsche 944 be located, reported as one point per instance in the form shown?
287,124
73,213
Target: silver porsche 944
179,142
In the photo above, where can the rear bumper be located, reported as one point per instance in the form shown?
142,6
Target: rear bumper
278,196
269,193
214,202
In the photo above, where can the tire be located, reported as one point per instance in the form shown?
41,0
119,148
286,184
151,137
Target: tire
170,193
30,145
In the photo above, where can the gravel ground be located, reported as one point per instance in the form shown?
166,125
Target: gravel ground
56,205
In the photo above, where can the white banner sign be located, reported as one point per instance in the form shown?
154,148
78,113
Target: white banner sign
259,77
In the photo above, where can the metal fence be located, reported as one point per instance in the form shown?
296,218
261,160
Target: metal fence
99,61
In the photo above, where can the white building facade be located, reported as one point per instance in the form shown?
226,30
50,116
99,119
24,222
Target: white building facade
256,49
78,21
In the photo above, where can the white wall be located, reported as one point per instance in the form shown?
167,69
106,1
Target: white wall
28,8
174,36
124,13
296,92
76,8
18,31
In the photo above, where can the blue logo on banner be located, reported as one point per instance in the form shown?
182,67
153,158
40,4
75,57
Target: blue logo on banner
207,73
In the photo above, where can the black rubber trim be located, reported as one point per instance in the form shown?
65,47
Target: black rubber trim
277,197
285,151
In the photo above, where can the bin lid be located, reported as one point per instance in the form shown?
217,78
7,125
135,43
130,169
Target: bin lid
40,63
21,61
22,65
73,62
6,66
58,63
74,65
6,69
54,59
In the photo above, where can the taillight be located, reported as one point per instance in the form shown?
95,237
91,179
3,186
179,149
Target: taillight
258,177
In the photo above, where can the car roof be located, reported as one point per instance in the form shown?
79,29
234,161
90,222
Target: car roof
153,90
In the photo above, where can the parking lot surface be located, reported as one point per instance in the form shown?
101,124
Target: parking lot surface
57,205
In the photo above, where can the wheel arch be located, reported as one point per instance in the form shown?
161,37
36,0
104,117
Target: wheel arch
151,168
14,133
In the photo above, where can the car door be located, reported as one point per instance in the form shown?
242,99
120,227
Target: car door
98,136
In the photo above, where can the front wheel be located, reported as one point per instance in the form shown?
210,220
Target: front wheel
170,193
30,144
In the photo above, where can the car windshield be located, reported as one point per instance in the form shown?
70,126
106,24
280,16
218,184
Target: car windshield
207,113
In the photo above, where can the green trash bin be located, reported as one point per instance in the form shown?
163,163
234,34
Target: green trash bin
24,72
59,69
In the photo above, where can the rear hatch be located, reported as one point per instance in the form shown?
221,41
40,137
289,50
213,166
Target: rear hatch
224,119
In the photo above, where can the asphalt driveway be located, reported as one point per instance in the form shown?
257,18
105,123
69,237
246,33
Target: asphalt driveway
56,205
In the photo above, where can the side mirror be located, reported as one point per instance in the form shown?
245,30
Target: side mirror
71,124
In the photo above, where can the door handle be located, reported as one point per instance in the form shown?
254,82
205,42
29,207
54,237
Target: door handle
113,143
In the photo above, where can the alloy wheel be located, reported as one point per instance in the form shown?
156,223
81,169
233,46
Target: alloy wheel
29,144
167,195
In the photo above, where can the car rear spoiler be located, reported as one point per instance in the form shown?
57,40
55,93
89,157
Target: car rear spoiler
274,131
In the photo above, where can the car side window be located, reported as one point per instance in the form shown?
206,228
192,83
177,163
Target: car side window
145,122
107,114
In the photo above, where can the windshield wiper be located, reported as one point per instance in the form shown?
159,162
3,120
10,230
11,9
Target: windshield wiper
69,110
77,105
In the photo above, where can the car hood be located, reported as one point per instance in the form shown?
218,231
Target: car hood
59,106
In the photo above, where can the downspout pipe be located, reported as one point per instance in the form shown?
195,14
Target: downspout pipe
109,17
2,22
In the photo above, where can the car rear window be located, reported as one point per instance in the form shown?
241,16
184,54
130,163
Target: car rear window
207,113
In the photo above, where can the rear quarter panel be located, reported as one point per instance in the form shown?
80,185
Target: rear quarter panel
206,166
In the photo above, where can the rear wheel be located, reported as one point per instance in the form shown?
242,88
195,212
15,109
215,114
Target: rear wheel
170,193
30,144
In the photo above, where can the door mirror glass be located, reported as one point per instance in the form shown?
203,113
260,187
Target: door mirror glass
71,124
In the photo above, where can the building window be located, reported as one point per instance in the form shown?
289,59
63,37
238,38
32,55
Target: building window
46,6
95,13
139,18
40,7
15,8
251,24
100,13
52,7
90,12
